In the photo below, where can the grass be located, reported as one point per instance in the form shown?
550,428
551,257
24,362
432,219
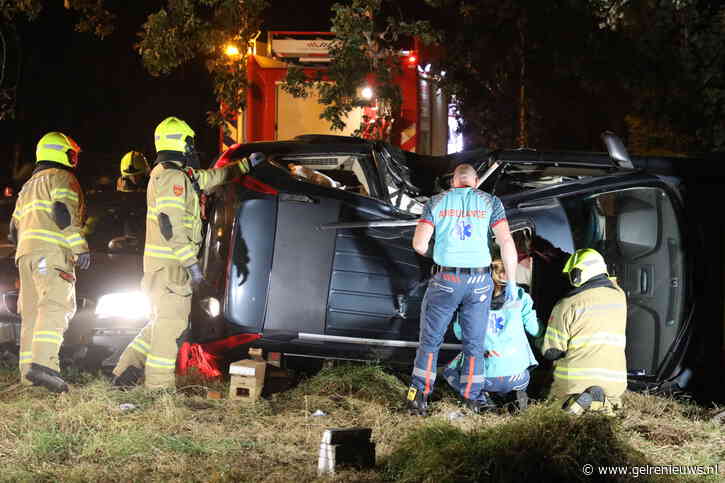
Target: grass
85,436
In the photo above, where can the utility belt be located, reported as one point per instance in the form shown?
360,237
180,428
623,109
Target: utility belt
458,270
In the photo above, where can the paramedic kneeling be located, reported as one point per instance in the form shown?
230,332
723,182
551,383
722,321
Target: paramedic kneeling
460,219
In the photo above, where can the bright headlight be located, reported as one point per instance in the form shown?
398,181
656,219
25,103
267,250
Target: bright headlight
124,305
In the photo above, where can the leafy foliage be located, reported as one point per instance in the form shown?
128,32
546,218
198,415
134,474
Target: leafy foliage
369,39
191,29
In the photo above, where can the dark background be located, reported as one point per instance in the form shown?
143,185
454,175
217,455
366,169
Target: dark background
98,92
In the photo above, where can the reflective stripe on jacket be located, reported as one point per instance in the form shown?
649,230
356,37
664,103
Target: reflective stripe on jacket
170,191
590,328
33,215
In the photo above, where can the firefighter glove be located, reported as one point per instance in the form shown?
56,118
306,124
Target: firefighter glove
197,278
83,261
256,159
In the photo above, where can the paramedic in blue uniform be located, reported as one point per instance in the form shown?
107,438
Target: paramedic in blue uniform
460,219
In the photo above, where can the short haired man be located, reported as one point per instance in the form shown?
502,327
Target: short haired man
460,219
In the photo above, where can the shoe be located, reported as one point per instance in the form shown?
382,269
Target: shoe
417,402
578,403
128,378
47,378
600,404
480,407
522,400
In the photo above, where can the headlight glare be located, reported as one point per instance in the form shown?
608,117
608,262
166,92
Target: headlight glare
124,305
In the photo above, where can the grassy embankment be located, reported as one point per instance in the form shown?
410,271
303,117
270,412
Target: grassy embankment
85,436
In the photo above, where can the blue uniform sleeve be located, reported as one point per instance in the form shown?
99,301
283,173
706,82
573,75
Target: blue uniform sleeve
498,214
528,314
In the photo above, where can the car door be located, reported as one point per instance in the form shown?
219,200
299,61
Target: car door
638,230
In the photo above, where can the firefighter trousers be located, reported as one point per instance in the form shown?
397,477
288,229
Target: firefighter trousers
47,302
155,348
446,292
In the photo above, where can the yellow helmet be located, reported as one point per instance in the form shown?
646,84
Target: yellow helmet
59,148
134,163
171,135
584,264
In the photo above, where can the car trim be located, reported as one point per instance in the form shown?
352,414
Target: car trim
366,341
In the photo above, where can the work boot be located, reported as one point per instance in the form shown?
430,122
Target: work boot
479,407
417,402
47,378
522,400
600,404
128,378
578,403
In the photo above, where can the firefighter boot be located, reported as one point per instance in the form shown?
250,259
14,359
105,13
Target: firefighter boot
600,404
47,378
578,403
129,377
522,400
417,402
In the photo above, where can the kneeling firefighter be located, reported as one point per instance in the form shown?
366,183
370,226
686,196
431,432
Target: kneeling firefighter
586,338
173,238
46,226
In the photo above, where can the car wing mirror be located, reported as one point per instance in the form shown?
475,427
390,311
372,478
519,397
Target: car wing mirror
617,152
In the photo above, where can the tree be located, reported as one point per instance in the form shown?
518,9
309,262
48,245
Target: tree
678,86
191,29
369,36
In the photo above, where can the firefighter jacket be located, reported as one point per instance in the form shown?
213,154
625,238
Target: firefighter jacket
173,221
49,213
589,327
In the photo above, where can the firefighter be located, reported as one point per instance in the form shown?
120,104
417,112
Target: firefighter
134,172
171,267
46,226
585,337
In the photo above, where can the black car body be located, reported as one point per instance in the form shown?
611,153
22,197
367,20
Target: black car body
329,272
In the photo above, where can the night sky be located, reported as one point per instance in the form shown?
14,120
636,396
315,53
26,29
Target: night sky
99,93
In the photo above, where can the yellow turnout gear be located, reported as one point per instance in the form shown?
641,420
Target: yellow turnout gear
173,238
48,217
589,327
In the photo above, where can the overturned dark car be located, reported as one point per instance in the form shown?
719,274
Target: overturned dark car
311,255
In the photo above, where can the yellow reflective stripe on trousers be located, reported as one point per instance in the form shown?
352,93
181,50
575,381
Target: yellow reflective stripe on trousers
575,373
161,362
45,235
60,193
25,357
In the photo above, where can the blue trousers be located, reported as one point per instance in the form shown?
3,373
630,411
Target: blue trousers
446,292
501,385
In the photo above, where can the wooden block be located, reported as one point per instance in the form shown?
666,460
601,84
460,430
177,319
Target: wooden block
247,379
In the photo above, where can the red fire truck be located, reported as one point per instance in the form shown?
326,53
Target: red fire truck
273,114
